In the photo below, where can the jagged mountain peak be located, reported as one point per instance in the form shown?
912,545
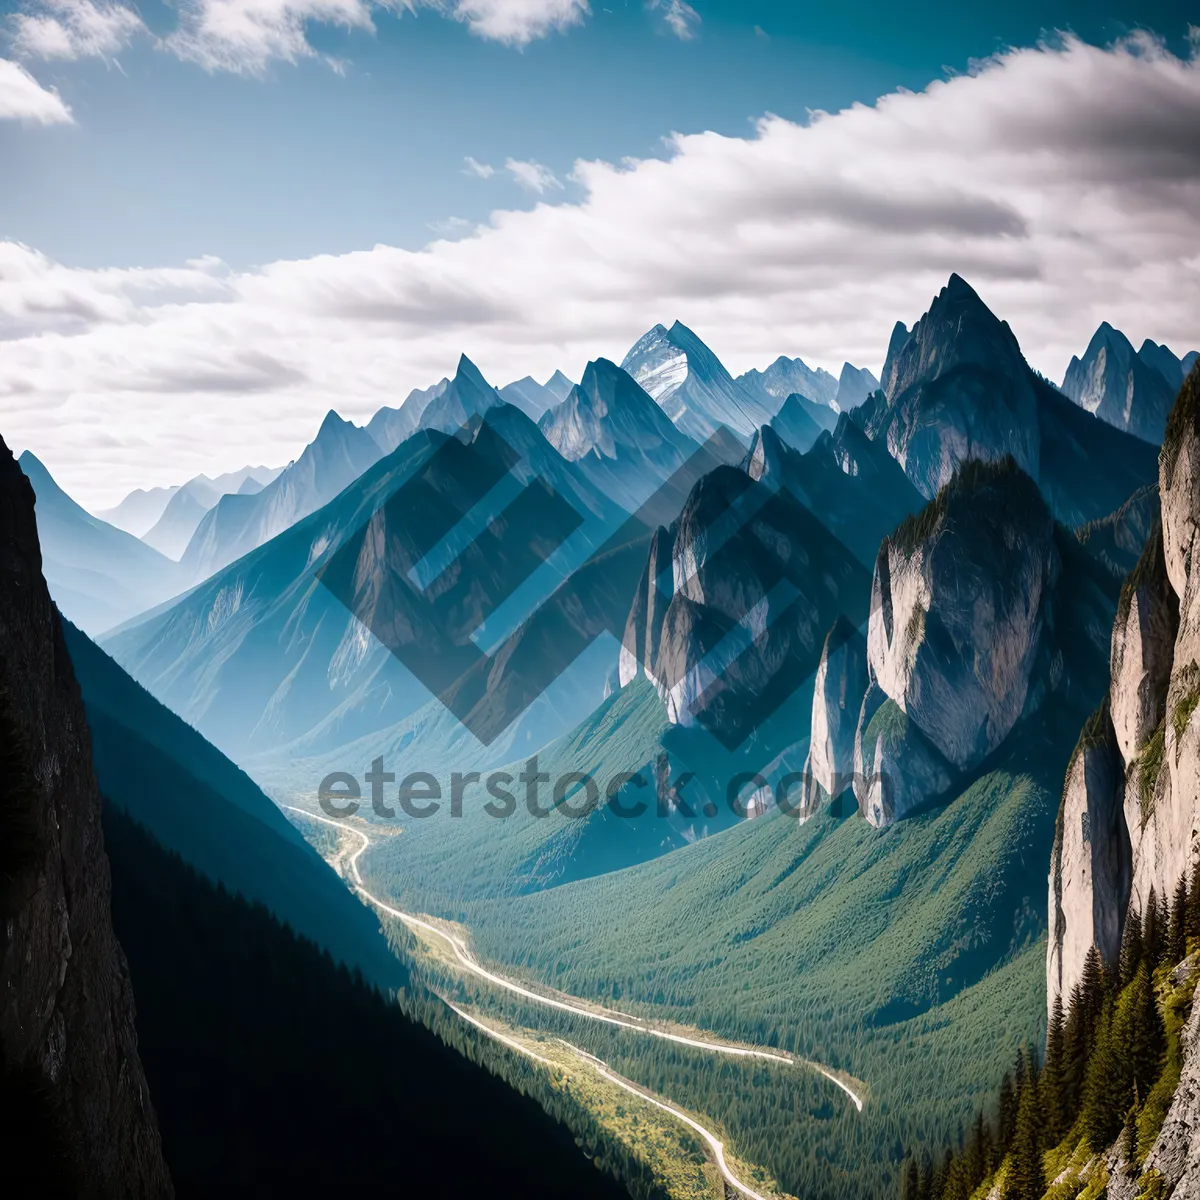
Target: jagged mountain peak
468,371
333,425
691,384
855,384
1128,389
958,329
559,386
31,465
612,426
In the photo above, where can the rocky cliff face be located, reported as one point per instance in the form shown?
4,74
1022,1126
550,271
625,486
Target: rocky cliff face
735,601
67,1018
959,611
1090,863
1149,737
840,685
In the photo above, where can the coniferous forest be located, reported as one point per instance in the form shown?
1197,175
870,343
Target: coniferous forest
1104,1081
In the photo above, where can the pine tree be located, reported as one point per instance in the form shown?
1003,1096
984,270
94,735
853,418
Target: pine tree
925,1183
1178,935
977,1160
1106,1084
1152,932
1053,1080
1007,1114
1093,983
1164,932
1026,1179
1193,905
1131,946
1083,1016
1139,1026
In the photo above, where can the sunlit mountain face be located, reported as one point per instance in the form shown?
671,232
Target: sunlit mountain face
602,597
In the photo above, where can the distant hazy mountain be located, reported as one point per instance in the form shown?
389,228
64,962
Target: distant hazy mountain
559,386
854,385
173,530
800,421
139,510
535,399
787,376
957,387
186,508
692,387
142,509
390,426
98,575
1133,391
238,523
261,656
611,428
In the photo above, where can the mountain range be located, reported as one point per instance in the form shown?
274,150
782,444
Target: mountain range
142,508
841,635
188,504
143,1067
240,522
99,575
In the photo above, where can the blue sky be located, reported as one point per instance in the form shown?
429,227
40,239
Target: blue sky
219,220
167,160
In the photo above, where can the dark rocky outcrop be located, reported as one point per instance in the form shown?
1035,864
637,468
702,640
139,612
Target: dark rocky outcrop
851,483
67,1040
957,389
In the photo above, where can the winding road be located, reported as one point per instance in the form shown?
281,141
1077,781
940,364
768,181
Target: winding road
607,1016
605,1071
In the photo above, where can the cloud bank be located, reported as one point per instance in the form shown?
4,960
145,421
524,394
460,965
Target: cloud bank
22,98
246,36
1062,181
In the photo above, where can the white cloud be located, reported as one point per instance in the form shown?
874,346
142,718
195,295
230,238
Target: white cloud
532,176
516,22
71,29
246,36
22,98
681,18
1064,183
480,170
